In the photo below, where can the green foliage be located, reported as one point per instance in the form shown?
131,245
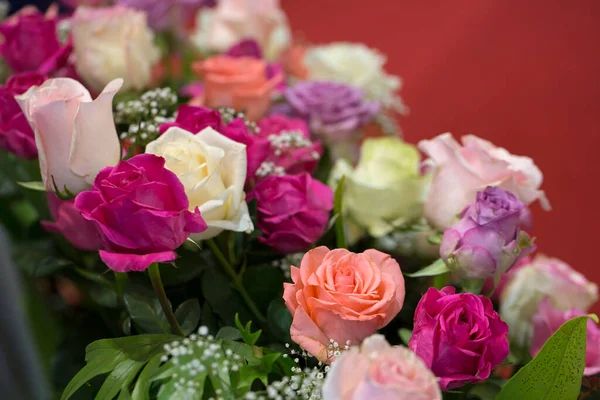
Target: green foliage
145,310
39,258
340,232
122,358
245,331
437,268
404,335
188,315
556,372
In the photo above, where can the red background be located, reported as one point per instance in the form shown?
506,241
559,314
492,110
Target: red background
523,74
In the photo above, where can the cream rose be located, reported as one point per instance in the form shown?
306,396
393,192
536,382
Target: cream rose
113,42
385,189
356,65
75,135
212,169
235,20
544,278
459,172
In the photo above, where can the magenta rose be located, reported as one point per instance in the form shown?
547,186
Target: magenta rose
68,222
194,119
292,150
141,211
30,43
547,321
293,211
16,136
459,336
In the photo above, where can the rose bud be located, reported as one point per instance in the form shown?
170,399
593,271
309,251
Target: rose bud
487,240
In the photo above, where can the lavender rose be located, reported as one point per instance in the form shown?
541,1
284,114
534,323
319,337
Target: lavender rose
459,336
141,211
487,240
334,110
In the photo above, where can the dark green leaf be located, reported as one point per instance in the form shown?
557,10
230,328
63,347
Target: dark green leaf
127,326
38,259
340,230
94,368
229,333
263,283
246,332
124,395
280,319
188,315
223,300
437,268
142,385
190,265
556,372
145,311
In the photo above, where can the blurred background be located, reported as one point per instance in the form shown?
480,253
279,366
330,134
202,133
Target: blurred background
524,75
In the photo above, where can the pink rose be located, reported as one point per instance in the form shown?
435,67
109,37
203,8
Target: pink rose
379,371
141,211
342,296
242,83
194,119
459,336
75,135
29,40
291,147
547,321
16,135
543,277
459,172
80,232
293,211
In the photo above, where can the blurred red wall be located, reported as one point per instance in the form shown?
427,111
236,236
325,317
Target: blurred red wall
523,74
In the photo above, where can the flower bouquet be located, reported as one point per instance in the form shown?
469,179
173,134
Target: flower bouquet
207,208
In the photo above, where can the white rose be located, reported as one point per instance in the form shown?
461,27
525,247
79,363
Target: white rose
385,190
113,42
234,20
356,65
544,277
212,169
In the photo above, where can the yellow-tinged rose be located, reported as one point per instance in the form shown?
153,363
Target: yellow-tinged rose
385,190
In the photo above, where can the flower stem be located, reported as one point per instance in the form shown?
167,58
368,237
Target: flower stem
120,283
159,289
237,281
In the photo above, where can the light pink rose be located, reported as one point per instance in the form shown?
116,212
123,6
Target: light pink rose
379,371
75,135
547,321
544,277
459,172
342,296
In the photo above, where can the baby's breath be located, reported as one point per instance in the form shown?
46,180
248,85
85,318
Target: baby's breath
229,114
286,262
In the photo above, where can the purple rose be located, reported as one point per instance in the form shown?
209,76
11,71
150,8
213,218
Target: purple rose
292,150
293,211
80,232
547,321
16,135
334,110
487,240
194,119
30,41
166,14
141,211
459,336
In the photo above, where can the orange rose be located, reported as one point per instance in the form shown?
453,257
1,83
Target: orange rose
342,296
240,83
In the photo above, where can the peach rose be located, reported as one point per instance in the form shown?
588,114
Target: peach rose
459,172
75,136
379,371
241,83
342,296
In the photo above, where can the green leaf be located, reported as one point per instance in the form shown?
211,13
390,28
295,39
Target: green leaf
223,300
404,335
556,372
437,268
229,333
126,326
38,259
263,283
103,356
145,311
124,395
340,232
142,385
188,315
120,378
37,185
246,332
280,319
435,238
